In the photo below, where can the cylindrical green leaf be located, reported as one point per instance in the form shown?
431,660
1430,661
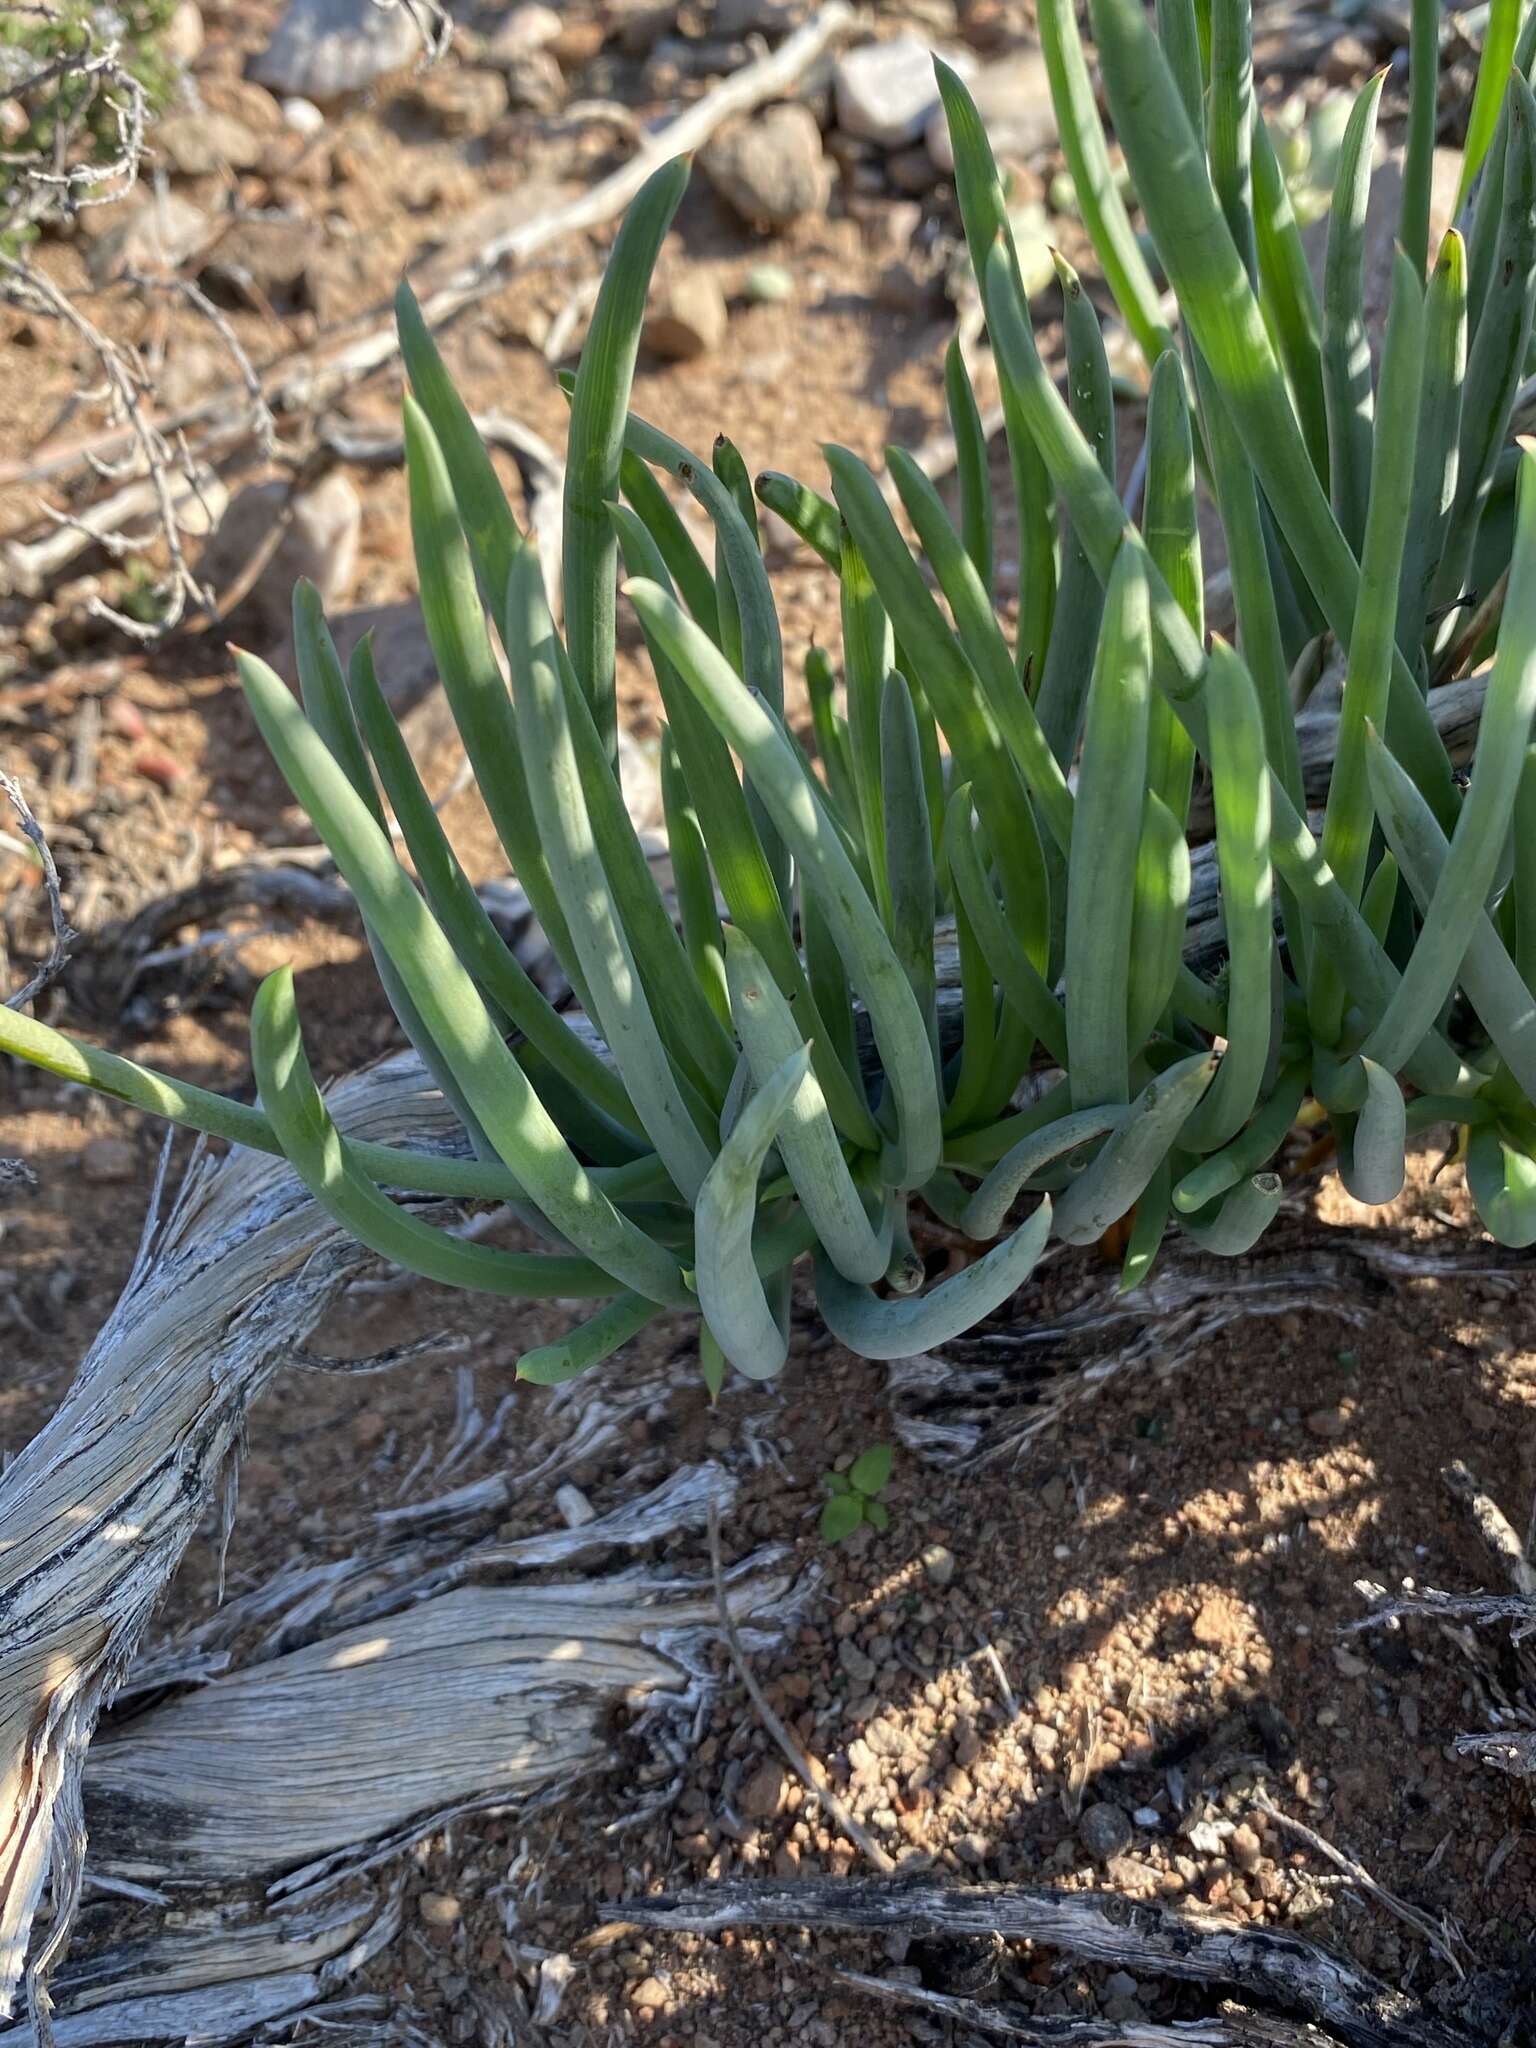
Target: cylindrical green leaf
1234,1224
812,1156
327,1166
1503,736
1346,345
800,816
908,848
1093,176
551,1365
987,1209
1349,820
1229,123
1101,871
950,685
1137,1146
1423,122
596,442
1060,699
694,883
1240,791
1437,455
620,1005
973,470
902,1329
1500,344
1159,916
730,1291
497,1089
1170,525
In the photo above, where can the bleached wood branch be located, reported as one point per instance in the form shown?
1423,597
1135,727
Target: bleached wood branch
97,1510
1280,1970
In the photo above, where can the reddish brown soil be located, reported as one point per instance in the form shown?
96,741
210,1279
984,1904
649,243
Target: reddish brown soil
1163,1578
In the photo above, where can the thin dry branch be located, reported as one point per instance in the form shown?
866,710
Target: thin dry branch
1233,2027
64,935
159,456
1447,1942
1279,1970
815,1780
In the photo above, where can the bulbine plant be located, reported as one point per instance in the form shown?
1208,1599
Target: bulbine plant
777,1073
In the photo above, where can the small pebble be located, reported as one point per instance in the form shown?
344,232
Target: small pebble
768,284
939,1564
1105,1830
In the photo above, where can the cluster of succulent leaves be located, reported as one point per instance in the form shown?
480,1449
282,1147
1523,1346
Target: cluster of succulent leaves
782,1076
855,1496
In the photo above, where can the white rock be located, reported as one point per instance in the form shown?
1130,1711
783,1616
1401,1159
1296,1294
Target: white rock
181,40
771,170
519,34
573,1507
885,92
322,49
158,233
302,116
320,543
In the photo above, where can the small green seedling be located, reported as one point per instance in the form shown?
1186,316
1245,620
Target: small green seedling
856,1495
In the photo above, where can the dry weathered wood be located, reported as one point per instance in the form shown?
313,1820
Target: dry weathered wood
1281,1970
1232,2027
304,1764
380,1695
96,1511
991,1392
242,1969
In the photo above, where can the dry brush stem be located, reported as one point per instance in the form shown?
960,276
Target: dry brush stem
1279,1970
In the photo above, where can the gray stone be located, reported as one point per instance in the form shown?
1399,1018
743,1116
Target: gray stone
324,49
181,40
885,92
771,170
688,319
854,1661
753,17
461,99
1105,1831
520,33
198,144
158,232
320,543
1013,97
939,1564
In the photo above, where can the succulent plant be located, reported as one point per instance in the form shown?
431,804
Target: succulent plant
777,1072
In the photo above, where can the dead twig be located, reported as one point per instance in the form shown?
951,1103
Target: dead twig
64,934
813,1777
1495,1528
1235,2027
1281,1970
1446,1941
127,388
